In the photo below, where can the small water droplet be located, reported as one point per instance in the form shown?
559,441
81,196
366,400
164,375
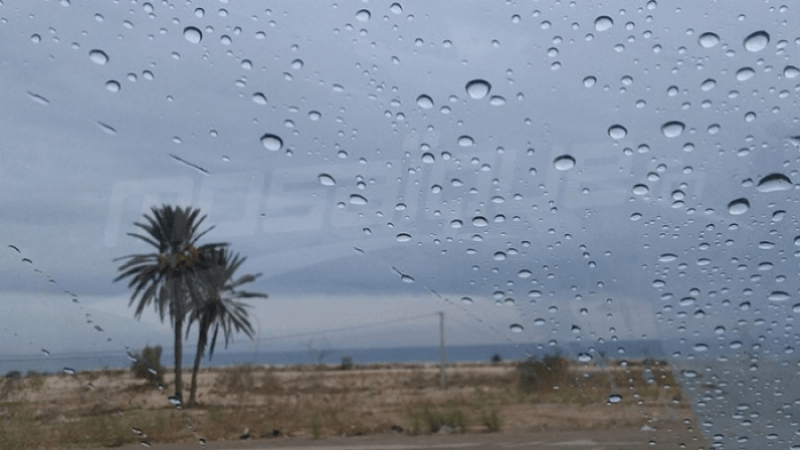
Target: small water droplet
774,182
98,57
403,237
259,98
466,300
757,41
738,206
38,98
107,129
667,257
69,371
326,180
112,86
564,162
603,23
45,352
478,88
640,189
584,357
193,34
524,273
708,40
672,129
271,142
516,328
617,132
424,102
589,81
614,398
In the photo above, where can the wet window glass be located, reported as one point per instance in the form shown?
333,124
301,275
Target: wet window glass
507,223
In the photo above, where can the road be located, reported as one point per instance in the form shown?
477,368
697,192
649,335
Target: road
622,439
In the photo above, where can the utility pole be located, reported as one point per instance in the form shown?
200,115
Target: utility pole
442,376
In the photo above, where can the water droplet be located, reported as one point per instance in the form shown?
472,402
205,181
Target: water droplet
516,328
738,206
259,98
428,158
778,296
640,189
667,257
524,273
589,81
497,100
271,142
326,180
617,132
479,221
107,129
456,223
193,35
584,357
38,98
466,300
478,88
98,57
745,73
756,41
396,8
614,398
45,352
363,15
112,86
603,23
466,141
564,162
708,40
314,115
424,102
791,72
774,182
403,237
356,199
174,400
69,371
672,129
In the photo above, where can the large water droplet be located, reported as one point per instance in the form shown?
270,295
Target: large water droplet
640,189
69,371
193,35
479,221
672,129
708,40
778,296
738,206
667,257
774,182
745,73
614,398
516,328
363,15
564,162
356,199
259,98
757,41
98,56
617,132
424,102
465,141
403,237
326,180
791,72
271,142
603,23
478,88
466,300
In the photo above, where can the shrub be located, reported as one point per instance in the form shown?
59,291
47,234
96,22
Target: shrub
347,363
148,365
492,421
316,427
546,373
429,419
496,359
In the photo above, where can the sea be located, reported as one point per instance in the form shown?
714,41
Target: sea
75,362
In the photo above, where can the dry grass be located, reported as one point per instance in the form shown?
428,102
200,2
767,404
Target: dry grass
100,408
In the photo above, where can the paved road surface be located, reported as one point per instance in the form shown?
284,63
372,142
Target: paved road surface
622,439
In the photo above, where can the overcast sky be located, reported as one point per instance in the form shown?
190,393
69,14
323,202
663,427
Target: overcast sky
575,170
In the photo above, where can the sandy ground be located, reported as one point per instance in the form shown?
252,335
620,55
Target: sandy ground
353,408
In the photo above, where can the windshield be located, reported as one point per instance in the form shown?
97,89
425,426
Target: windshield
606,185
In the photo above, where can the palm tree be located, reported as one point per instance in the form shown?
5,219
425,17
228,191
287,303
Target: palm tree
221,308
169,278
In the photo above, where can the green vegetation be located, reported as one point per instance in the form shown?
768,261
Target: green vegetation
316,427
147,365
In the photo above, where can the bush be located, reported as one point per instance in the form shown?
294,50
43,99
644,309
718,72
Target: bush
432,420
148,365
541,374
492,421
496,359
347,363
316,427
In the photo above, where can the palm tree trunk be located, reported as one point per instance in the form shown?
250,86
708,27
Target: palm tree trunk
201,345
178,357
